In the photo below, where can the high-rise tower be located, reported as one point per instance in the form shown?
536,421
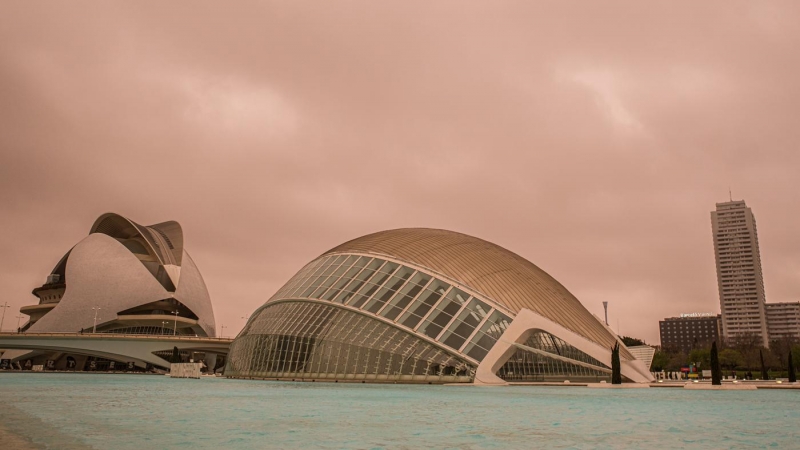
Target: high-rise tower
741,283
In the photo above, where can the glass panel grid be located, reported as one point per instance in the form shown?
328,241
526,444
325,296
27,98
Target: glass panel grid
313,340
464,324
389,289
308,277
405,296
346,278
359,280
410,298
334,276
488,334
443,313
528,366
369,288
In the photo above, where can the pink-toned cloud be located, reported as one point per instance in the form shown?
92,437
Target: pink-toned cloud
591,138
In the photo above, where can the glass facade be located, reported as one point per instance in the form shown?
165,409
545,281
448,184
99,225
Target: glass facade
408,298
309,340
147,330
530,366
359,317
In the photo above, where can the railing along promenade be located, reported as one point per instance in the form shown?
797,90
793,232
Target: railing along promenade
116,336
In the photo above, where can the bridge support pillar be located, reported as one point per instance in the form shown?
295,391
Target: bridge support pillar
211,361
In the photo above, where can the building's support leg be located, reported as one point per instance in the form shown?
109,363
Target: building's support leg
523,325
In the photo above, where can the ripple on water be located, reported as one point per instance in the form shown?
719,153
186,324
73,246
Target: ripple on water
92,411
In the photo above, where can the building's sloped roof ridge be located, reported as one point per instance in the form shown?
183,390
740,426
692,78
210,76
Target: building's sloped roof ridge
165,239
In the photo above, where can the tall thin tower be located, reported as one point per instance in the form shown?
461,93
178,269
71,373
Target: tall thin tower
741,283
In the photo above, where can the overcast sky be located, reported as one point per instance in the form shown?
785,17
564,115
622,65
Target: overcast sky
592,138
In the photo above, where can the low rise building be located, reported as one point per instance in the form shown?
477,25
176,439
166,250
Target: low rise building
690,331
783,321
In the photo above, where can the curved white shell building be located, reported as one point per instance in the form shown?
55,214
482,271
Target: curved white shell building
425,306
124,278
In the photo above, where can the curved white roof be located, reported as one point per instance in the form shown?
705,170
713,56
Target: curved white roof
122,265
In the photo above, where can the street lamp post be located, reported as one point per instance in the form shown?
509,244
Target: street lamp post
222,331
94,327
5,305
163,326
19,317
175,330
246,318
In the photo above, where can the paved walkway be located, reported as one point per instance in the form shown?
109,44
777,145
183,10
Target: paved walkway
13,441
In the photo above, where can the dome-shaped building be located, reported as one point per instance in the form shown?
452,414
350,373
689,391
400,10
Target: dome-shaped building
425,306
124,278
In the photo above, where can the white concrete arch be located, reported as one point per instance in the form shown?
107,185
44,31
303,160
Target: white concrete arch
526,323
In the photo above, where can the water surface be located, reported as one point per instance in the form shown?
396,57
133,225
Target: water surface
64,411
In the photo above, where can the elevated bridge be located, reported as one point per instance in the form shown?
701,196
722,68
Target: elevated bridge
138,348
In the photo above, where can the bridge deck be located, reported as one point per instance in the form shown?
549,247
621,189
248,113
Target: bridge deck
122,347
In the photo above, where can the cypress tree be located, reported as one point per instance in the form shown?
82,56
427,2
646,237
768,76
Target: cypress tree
616,374
176,355
716,371
792,374
764,374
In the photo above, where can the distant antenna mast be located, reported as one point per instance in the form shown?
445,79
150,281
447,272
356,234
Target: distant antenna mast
730,194
605,307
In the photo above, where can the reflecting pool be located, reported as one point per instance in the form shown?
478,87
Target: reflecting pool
74,411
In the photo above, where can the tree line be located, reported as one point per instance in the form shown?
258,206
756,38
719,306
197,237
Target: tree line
744,354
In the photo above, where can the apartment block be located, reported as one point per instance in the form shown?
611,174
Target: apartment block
783,320
739,277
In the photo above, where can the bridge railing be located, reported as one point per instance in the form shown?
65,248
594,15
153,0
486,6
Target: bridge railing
117,336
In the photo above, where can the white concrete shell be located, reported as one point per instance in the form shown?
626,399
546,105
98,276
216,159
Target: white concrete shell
103,271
